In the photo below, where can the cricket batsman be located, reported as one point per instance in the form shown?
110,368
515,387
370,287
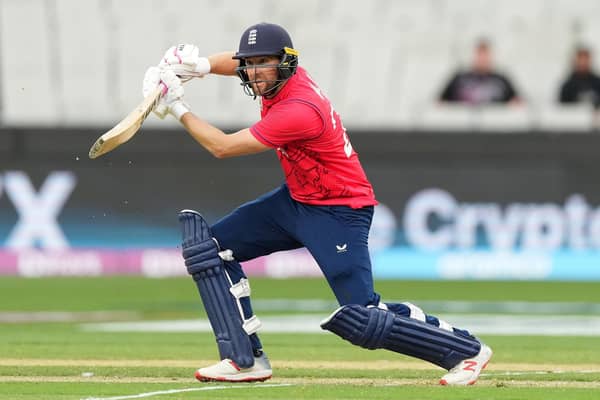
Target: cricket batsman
326,205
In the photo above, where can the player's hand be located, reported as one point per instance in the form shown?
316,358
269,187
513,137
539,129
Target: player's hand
185,61
173,98
151,82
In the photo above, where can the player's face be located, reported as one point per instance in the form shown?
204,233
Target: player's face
262,72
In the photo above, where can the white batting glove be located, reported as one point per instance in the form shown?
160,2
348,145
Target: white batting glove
185,61
151,82
173,99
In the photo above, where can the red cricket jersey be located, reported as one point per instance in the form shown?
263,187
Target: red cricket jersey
319,163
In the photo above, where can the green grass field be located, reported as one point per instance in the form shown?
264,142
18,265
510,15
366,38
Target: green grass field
46,352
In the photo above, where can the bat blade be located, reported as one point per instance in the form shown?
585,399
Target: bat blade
128,126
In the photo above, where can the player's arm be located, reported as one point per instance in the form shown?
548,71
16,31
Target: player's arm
223,63
211,138
217,142
185,61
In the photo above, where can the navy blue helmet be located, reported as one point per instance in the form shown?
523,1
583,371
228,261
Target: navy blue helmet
266,39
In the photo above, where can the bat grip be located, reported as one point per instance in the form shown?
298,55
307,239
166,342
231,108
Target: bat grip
163,88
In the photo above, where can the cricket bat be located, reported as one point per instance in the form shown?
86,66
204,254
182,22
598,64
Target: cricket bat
128,126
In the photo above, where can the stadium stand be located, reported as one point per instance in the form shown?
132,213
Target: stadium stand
381,62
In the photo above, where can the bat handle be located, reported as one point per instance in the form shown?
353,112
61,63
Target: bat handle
163,88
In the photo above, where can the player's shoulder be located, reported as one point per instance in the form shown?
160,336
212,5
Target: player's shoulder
305,87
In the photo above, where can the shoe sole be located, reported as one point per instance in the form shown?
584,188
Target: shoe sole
203,378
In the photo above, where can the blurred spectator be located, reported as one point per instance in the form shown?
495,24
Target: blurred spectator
582,85
480,84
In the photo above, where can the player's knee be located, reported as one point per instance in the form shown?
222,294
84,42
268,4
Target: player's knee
202,257
200,251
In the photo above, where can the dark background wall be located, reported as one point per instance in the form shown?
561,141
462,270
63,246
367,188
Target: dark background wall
160,172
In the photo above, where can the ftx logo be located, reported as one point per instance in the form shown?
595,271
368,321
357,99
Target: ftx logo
37,210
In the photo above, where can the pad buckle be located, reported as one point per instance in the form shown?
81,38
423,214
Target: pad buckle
240,289
252,325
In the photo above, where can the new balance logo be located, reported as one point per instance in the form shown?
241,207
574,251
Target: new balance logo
470,365
341,248
252,37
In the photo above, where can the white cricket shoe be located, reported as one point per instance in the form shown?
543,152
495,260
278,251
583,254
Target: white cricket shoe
228,371
467,371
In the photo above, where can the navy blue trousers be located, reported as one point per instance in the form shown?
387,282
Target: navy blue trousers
336,236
